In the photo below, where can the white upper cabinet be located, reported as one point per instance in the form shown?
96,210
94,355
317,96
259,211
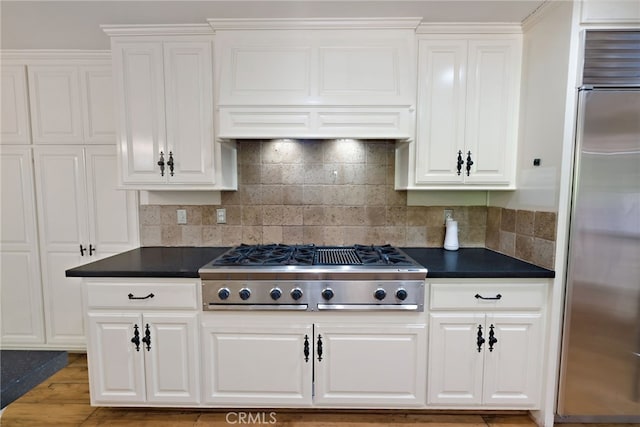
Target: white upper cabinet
339,80
164,101
467,125
15,105
96,88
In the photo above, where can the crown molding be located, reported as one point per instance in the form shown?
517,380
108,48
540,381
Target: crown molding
40,55
315,24
157,30
469,28
539,14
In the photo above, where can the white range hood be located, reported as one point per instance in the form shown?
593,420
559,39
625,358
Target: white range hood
352,78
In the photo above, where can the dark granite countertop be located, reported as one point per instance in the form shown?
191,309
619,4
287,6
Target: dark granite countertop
185,261
474,263
178,261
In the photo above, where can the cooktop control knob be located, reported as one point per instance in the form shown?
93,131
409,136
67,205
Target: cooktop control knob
275,293
244,293
296,293
379,294
401,294
327,293
223,293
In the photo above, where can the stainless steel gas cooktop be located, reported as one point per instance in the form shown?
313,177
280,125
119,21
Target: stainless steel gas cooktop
309,277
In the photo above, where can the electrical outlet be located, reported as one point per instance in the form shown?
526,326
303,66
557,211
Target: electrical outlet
182,216
221,216
448,214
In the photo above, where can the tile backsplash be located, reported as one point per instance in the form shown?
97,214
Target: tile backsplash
337,192
328,192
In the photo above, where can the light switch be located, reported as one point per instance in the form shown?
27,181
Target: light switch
182,216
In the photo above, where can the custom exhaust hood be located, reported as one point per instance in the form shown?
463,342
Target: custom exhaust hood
349,78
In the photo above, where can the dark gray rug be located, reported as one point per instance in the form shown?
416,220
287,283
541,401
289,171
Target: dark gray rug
22,370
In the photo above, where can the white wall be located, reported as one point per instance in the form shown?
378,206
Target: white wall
542,113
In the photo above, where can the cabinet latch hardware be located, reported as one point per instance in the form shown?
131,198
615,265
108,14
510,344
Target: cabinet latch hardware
469,163
319,348
497,297
170,163
460,162
479,341
92,249
147,337
148,296
82,250
306,348
492,338
161,163
136,337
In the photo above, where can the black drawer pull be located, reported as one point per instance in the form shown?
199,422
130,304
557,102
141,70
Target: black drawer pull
478,296
148,296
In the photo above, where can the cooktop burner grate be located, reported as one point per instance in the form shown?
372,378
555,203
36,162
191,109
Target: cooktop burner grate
337,256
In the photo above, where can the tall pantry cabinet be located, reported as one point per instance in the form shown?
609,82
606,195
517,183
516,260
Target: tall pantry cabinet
60,205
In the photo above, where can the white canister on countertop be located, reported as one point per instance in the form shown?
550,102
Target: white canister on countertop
451,235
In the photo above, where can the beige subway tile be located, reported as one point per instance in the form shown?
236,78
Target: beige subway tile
524,222
469,236
332,195
209,214
234,215
397,215
314,173
171,235
543,253
376,235
508,220
344,151
272,234
476,216
168,215
435,216
251,194
149,215
271,174
292,215
524,247
192,235
396,235
249,174
293,173
333,215
334,235
252,234
194,215
313,234
375,215
292,235
374,195
396,197
353,215
249,152
352,195
493,219
231,235
150,235
272,195
277,151
231,197
312,194
251,215
313,215
508,243
355,235
375,174
416,215
416,236
211,235
292,194
272,215
312,151
435,236
390,175
545,225
376,153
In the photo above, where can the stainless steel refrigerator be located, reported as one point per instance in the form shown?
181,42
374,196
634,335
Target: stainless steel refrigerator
600,365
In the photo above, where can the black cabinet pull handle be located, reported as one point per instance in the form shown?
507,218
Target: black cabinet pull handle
498,296
92,249
306,348
479,341
161,163
492,338
460,162
148,296
136,337
319,348
469,162
82,250
147,337
170,163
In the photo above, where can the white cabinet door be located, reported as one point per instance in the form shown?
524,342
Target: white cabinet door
258,365
21,289
370,365
455,364
15,105
56,112
441,112
98,104
173,357
138,79
61,195
188,72
492,106
514,368
113,219
116,367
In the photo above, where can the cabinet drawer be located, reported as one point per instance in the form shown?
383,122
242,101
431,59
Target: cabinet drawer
171,295
512,295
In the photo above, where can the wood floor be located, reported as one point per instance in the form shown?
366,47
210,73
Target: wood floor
63,400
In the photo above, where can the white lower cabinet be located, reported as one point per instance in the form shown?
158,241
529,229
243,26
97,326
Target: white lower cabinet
324,364
491,357
146,352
